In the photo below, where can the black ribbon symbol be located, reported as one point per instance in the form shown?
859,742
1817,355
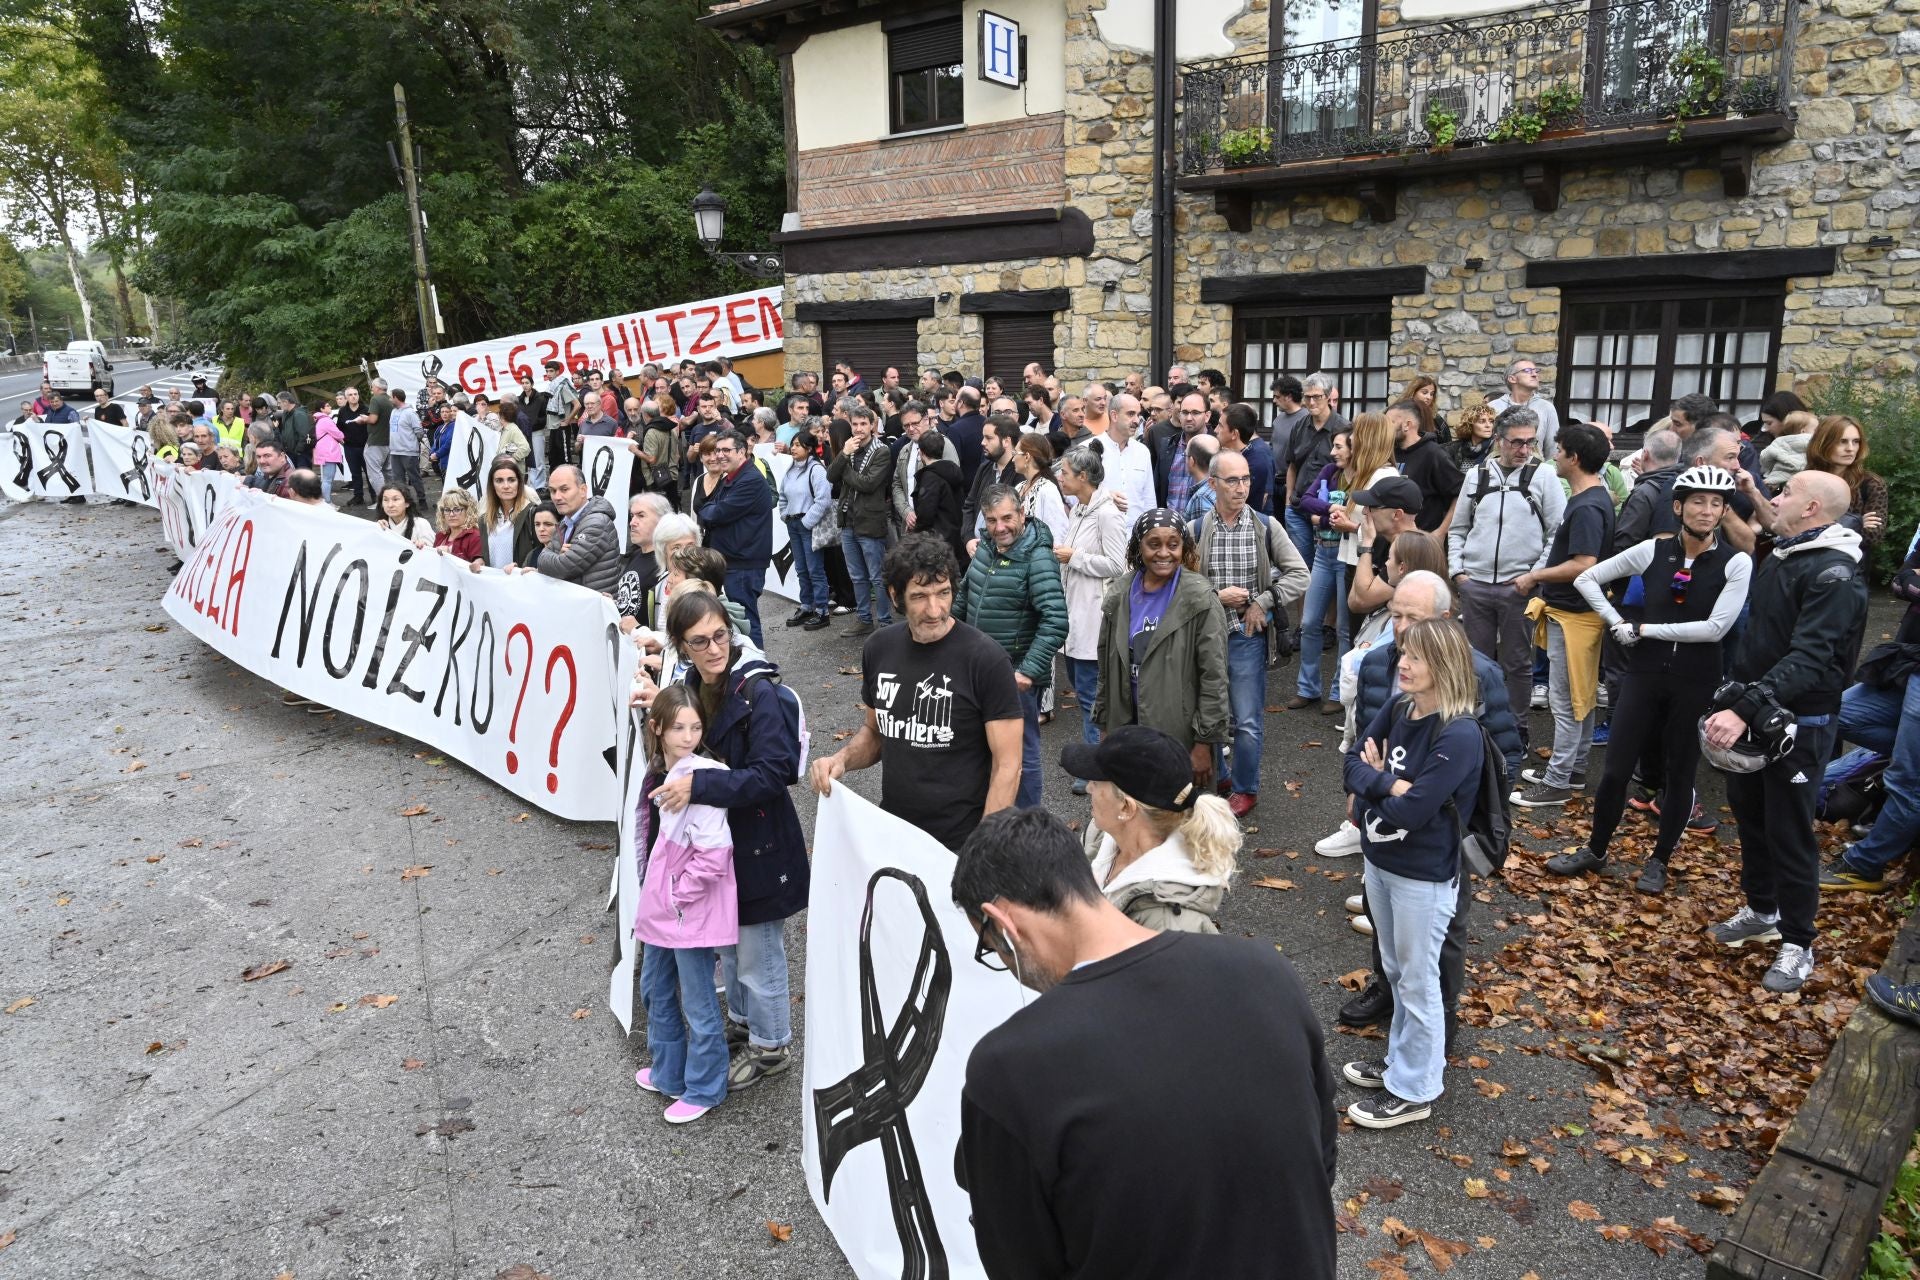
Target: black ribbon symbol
211,501
142,456
471,480
871,1103
56,445
23,454
602,472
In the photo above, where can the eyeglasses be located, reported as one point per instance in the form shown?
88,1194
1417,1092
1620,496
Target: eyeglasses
1311,397
1526,368
717,640
1682,579
1520,442
984,953
1235,481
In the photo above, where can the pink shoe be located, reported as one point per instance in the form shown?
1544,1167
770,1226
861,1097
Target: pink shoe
682,1112
644,1078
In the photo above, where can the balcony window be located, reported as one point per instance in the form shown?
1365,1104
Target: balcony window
1624,355
924,68
1348,340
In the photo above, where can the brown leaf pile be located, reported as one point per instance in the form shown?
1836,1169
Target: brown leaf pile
1632,986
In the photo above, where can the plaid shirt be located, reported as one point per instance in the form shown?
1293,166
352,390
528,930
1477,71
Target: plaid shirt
1234,557
1179,477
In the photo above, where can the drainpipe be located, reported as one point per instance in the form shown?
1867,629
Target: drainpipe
1166,83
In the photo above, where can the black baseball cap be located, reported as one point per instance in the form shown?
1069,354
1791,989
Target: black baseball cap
1145,763
1393,492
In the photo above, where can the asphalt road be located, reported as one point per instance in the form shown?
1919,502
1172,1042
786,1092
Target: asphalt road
128,377
170,824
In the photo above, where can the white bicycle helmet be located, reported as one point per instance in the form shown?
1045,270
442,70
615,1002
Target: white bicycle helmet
1704,480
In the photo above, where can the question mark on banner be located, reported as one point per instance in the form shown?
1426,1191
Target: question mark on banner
513,726
560,654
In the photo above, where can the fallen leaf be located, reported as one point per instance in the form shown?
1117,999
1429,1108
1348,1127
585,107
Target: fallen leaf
378,1002
415,811
581,1013
158,626
779,1231
493,871
155,857
155,1047
415,873
135,767
1476,1188
840,736
1617,1232
1485,1242
1540,1165
62,900
1272,882
360,937
1488,1089
587,939
1354,979
20,1004
1582,1211
1725,1199
194,843
183,777
265,969
337,1008
1385,1190
519,1271
412,1064
446,1128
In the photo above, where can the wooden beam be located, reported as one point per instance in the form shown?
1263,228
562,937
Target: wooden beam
1741,264
1236,207
1381,197
1541,178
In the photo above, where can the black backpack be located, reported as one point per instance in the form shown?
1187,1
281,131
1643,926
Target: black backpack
1484,841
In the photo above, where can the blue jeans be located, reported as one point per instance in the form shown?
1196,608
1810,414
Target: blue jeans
1028,797
328,471
863,566
1247,697
1410,919
1085,675
404,470
809,570
755,973
1299,527
1887,721
690,1060
743,588
1327,585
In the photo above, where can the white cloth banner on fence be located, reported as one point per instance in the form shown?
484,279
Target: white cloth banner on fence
736,325
55,462
123,463
895,1005
607,464
475,446
521,677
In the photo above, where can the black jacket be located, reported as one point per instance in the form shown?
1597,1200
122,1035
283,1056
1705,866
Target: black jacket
1809,610
863,479
936,504
1648,509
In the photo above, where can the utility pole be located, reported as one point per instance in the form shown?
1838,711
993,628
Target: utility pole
407,164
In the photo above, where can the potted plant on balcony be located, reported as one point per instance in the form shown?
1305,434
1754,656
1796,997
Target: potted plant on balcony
1519,123
1443,126
1700,82
1244,148
1564,110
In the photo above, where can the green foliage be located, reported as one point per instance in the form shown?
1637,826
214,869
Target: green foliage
1443,126
1702,79
1246,146
1519,124
1891,1255
1559,106
1888,407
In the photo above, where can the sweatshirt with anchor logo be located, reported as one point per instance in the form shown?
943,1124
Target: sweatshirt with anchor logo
1412,834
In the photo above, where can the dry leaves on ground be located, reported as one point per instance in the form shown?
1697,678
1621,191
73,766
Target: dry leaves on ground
519,1271
377,1002
1440,1252
20,1004
265,969
412,1064
1272,882
415,811
780,1231
415,873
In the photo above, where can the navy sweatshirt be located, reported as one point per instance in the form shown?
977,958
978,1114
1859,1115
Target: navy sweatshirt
1413,835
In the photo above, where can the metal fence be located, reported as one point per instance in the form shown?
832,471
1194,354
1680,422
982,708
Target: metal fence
1559,67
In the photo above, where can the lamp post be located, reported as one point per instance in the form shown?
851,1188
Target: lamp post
710,224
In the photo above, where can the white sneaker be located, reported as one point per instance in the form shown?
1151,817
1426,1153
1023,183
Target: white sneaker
1539,702
1355,905
1343,843
1362,925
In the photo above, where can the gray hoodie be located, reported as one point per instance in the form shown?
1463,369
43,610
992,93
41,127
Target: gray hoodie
1502,535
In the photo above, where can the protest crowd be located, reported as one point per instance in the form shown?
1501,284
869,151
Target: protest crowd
1146,557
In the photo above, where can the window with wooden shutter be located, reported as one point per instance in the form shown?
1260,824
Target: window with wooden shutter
869,346
924,70
1013,341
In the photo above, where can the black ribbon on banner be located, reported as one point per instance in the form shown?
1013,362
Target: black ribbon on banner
142,457
23,454
871,1103
471,480
211,501
602,472
56,444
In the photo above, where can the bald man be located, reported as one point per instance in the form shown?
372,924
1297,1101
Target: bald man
1097,397
1809,610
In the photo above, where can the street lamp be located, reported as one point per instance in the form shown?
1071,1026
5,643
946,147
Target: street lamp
710,224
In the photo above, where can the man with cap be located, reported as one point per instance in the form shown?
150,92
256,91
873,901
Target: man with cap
1388,508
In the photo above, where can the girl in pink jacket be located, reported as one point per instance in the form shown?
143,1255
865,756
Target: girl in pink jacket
689,907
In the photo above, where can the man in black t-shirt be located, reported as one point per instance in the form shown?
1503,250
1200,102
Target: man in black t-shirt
1424,461
1090,1149
105,410
943,713
1573,630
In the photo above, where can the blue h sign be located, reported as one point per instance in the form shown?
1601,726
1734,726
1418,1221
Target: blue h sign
999,49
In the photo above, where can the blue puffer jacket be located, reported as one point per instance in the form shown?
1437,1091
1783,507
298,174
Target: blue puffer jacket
758,736
1377,683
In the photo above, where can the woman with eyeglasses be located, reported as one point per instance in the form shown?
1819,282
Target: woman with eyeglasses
1695,586
755,730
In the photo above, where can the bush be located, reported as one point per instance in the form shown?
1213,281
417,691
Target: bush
1889,408
1891,1256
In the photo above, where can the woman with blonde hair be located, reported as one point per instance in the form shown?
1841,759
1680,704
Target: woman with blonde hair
1170,845
458,532
1413,780
1371,458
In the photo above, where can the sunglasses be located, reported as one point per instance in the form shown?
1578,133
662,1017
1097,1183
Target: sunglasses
1682,579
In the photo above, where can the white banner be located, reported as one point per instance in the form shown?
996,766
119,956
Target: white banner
781,579
16,462
189,502
475,446
736,325
123,463
55,463
608,465
519,676
895,1005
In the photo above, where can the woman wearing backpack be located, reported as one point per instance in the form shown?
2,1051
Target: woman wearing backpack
1422,753
754,728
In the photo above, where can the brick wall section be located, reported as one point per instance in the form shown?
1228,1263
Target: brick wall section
1012,164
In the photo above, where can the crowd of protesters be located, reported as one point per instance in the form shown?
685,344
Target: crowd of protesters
1146,554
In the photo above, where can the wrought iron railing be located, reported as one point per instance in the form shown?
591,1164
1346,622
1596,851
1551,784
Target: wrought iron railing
1512,78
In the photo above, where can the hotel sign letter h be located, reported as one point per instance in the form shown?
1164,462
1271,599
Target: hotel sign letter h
1002,51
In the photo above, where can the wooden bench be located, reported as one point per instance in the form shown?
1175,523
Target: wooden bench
1816,1206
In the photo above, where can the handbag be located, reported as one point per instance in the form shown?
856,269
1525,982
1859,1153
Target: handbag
827,532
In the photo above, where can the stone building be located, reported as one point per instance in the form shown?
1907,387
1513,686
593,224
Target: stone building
1647,197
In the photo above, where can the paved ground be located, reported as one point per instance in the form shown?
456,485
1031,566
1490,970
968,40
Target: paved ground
434,1088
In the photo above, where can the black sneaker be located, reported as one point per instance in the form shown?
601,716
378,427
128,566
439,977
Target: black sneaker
1387,1111
1368,1075
861,628
799,617
1374,1004
736,1035
1575,863
1896,1000
1653,877
1541,796
817,622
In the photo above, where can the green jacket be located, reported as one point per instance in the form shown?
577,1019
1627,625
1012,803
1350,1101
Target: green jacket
1183,677
1015,597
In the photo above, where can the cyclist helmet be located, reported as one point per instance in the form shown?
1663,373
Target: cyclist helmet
1704,480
